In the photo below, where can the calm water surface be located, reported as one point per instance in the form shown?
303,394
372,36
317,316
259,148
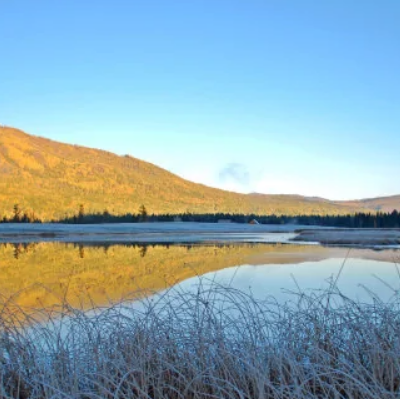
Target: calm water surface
38,275
359,279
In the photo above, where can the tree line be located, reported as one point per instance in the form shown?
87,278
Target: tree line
19,216
356,220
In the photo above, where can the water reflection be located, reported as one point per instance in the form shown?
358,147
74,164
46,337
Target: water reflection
358,278
44,274
38,275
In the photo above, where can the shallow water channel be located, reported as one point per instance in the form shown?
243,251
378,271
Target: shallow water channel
47,274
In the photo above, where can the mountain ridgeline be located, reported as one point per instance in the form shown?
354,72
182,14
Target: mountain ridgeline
52,180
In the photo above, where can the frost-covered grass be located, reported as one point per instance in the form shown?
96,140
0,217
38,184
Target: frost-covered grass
215,343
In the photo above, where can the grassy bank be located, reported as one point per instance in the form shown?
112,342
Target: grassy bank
216,343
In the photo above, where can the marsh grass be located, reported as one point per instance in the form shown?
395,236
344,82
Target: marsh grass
217,342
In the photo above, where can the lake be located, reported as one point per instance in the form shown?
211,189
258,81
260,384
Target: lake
222,305
86,274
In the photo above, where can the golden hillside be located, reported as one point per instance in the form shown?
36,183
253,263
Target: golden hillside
53,179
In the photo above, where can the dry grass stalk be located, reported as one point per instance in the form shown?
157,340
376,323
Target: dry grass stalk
215,343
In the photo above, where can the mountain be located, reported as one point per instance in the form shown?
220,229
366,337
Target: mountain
52,179
382,204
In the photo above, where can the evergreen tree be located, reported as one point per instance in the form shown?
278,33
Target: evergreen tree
81,213
142,213
17,214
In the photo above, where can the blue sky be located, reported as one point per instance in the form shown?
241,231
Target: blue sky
268,96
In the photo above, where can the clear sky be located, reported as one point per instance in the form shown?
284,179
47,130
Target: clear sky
282,96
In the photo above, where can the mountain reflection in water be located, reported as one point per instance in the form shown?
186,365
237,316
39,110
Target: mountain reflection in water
42,275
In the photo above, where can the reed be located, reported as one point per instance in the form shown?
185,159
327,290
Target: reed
217,342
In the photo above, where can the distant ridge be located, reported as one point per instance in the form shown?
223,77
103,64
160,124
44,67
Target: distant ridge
382,204
53,179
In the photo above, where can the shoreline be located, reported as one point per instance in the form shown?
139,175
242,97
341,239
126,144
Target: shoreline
350,237
184,232
193,233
